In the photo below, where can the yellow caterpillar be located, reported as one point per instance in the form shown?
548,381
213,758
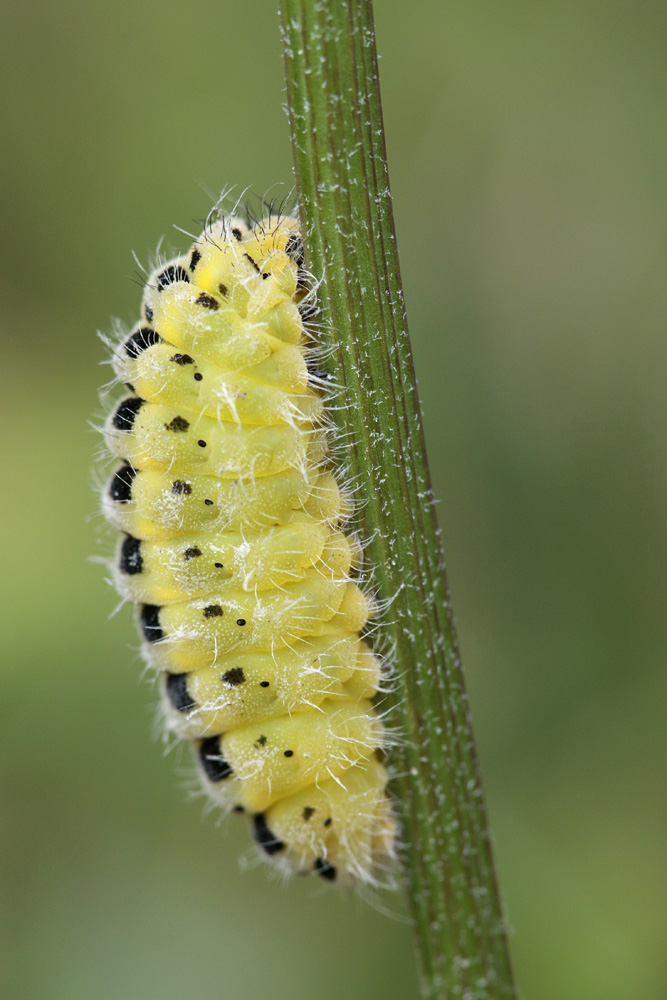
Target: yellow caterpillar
233,551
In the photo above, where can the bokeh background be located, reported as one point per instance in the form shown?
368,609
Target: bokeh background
528,157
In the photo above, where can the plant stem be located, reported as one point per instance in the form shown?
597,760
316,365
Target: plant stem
345,204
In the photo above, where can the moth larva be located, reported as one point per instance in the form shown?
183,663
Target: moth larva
234,553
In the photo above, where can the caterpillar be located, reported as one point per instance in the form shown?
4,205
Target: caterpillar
233,549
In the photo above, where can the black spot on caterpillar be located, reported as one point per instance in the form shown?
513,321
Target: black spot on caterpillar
325,870
208,302
140,340
264,837
177,423
213,611
171,274
216,768
130,556
234,677
180,488
254,263
294,249
126,411
149,619
120,488
176,686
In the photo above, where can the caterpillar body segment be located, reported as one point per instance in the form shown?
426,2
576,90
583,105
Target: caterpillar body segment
153,436
234,550
182,567
154,504
272,759
267,391
258,686
177,640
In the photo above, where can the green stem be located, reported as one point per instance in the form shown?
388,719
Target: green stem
345,204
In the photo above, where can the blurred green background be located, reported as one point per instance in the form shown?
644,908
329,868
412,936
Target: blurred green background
528,157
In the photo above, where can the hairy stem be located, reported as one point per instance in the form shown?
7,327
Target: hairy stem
344,198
